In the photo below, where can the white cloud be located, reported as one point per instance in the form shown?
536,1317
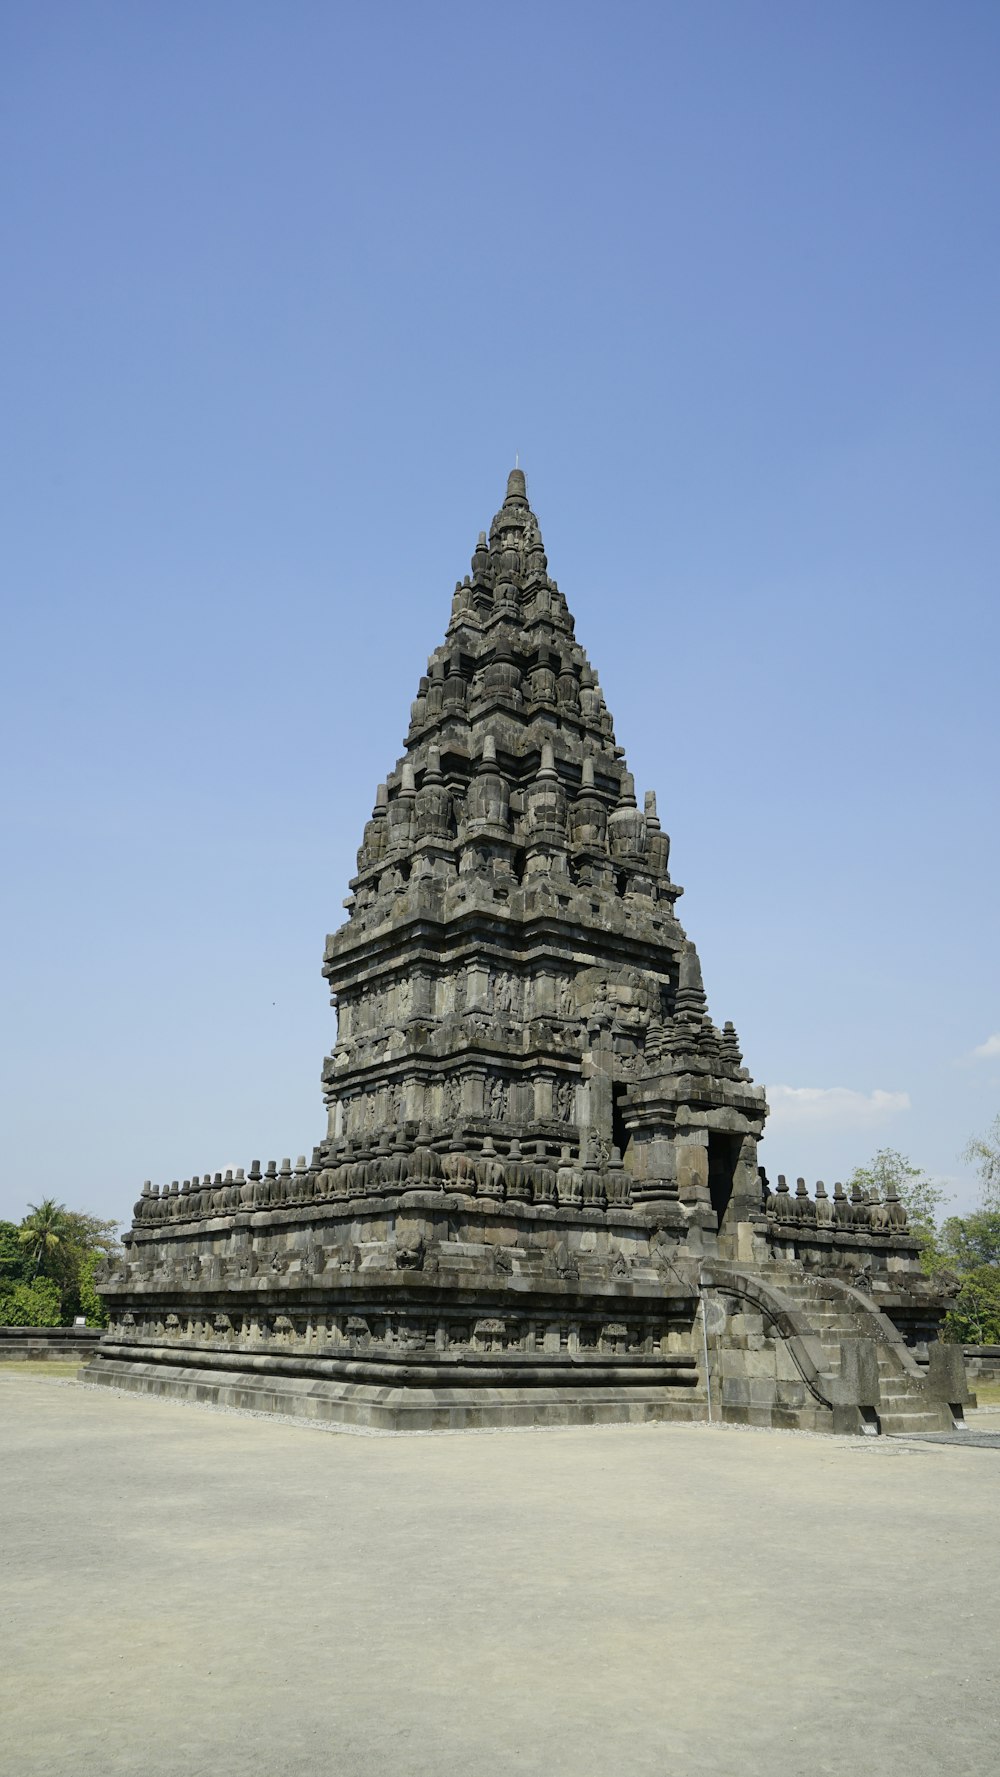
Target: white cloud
988,1051
815,1105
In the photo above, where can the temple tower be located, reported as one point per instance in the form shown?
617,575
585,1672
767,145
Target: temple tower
513,966
538,1174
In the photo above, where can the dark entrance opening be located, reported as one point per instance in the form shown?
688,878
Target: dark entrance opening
619,1133
723,1159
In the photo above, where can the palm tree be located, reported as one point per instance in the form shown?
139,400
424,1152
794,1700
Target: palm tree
43,1232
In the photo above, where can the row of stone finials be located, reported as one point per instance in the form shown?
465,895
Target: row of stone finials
857,1213
518,1177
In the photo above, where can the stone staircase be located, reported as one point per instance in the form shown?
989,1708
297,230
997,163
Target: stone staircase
839,1317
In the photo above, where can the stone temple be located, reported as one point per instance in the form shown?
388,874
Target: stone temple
537,1198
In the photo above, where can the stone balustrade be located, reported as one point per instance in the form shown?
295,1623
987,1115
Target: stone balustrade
855,1212
539,1176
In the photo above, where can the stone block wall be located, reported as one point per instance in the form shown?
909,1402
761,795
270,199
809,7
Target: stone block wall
755,1380
17,1344
982,1363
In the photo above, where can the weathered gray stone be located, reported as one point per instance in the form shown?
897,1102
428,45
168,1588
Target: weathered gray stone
537,1139
946,1375
859,1369
982,1363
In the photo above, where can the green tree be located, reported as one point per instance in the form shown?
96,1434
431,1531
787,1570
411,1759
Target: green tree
42,1234
974,1316
14,1264
916,1190
57,1248
37,1303
87,1241
88,1301
983,1152
967,1242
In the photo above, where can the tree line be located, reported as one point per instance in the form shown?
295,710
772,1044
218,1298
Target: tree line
47,1264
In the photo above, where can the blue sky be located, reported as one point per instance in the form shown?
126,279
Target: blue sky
285,289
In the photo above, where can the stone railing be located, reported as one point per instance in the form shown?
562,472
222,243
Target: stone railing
486,1173
855,1213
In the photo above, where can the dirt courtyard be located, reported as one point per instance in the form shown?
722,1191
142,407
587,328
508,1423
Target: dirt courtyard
190,1592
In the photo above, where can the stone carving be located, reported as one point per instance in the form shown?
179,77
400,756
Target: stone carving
410,1250
503,993
564,1096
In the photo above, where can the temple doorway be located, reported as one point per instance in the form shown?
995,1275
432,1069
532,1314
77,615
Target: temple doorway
723,1159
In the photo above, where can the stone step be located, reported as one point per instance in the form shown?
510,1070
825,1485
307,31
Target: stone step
903,1405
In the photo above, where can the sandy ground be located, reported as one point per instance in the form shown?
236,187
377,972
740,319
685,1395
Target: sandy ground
194,1592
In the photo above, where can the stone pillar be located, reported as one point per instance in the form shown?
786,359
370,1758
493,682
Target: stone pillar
413,1101
692,1165
653,1166
543,1097
473,1092
423,996
745,1201
477,987
595,1101
543,996
521,1105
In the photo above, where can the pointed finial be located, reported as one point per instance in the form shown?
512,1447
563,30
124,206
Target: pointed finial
690,977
